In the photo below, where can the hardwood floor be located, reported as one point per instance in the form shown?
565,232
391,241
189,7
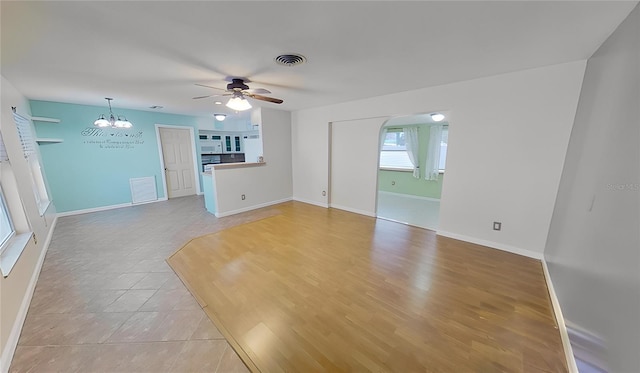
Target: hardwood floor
315,289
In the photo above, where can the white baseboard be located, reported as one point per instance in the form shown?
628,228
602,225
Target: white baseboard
253,207
409,196
562,328
355,211
146,202
105,208
325,205
494,245
14,336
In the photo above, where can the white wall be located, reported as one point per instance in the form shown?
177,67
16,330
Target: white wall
593,250
17,288
262,185
508,136
353,170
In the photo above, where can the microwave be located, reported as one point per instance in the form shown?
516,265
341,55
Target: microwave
211,147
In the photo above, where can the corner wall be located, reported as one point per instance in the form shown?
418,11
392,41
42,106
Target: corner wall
262,185
508,136
593,250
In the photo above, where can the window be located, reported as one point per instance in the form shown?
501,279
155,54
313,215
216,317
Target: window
6,226
29,149
14,227
443,148
394,151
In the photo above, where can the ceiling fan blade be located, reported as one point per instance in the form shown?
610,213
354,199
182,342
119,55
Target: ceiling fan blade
199,97
257,90
265,98
208,86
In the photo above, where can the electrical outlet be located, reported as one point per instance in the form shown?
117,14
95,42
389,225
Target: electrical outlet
497,225
324,193
243,197
393,183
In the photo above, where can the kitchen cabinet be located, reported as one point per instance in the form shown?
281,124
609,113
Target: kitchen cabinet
233,144
227,144
221,143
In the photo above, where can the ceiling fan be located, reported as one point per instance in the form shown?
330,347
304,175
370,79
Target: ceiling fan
238,90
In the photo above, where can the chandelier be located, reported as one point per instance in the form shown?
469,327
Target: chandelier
113,121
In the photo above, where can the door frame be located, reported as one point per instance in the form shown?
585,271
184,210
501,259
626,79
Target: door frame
196,172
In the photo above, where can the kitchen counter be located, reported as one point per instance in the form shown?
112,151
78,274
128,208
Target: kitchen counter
223,166
210,189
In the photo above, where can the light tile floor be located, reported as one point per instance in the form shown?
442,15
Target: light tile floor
413,211
106,301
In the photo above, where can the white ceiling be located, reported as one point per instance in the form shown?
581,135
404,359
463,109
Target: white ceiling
145,53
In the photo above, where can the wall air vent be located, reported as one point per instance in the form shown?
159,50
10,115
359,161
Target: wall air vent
290,59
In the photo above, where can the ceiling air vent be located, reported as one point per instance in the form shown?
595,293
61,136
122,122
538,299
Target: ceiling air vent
290,59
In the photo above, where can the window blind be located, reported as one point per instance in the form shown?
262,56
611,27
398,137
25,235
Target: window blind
26,135
3,151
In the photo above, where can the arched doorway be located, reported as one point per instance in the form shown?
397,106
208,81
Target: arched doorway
411,170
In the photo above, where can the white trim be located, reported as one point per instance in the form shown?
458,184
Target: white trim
12,341
303,200
562,327
162,173
110,207
395,169
12,251
355,211
253,207
409,196
194,156
493,245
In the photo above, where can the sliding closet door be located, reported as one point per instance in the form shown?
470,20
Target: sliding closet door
354,164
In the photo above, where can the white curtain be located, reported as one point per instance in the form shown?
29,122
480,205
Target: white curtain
411,141
433,153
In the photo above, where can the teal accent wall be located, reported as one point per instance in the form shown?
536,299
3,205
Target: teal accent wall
91,168
405,183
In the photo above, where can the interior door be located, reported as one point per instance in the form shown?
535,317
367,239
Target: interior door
354,164
178,161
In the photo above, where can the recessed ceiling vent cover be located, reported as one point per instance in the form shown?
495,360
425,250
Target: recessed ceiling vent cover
290,59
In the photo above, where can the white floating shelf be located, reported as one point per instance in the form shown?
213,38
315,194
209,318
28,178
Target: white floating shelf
48,141
44,119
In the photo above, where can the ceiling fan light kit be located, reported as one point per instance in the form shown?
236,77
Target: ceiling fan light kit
113,121
238,103
237,89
